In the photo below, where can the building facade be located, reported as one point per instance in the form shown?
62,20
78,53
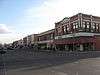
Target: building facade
46,39
77,33
80,32
17,44
30,40
25,41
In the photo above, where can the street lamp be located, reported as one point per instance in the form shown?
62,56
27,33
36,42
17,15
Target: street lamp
2,64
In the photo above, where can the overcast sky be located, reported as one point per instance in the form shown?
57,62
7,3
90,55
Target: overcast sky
19,18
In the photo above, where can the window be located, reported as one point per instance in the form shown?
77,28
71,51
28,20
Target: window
64,29
97,26
67,28
93,26
88,24
83,22
51,36
83,25
75,25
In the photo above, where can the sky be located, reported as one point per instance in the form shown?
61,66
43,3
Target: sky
19,18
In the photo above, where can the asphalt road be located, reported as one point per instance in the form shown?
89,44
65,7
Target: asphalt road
89,66
46,63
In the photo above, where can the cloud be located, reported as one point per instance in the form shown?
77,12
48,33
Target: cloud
4,29
63,8
44,16
40,18
52,11
10,37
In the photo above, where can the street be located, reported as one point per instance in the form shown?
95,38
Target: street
45,63
81,67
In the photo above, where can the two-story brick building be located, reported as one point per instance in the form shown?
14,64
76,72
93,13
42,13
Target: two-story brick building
79,32
46,39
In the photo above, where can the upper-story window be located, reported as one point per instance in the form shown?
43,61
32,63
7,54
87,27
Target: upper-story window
56,31
93,26
59,30
88,24
75,25
52,36
84,24
97,26
67,28
64,29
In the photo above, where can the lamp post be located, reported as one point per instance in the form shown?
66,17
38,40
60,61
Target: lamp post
2,64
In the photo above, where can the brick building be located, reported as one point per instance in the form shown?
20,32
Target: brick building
46,39
17,44
79,32
25,41
30,40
